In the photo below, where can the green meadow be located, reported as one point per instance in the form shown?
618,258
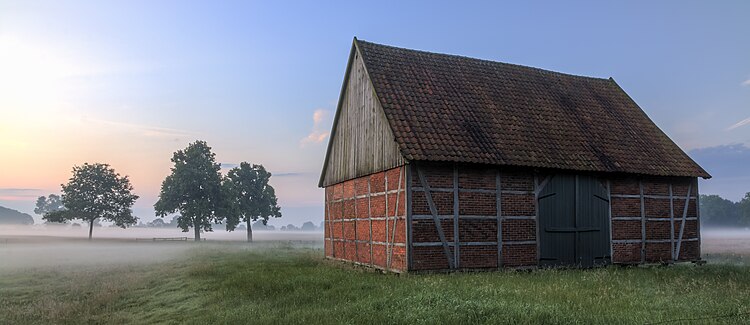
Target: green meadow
285,283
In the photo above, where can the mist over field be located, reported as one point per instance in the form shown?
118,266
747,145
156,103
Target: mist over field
725,241
52,247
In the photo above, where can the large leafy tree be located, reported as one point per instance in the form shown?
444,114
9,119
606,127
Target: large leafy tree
252,198
95,191
193,189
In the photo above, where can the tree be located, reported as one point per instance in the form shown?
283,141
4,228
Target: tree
259,226
716,210
252,198
193,189
289,227
96,191
308,226
157,223
49,204
743,208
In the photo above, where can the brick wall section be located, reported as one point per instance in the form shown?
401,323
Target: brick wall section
477,234
628,223
359,228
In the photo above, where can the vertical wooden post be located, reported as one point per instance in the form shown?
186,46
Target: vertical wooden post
576,234
343,237
408,203
609,216
698,214
536,220
395,220
369,214
684,219
456,240
643,222
386,216
355,222
499,211
671,221
330,222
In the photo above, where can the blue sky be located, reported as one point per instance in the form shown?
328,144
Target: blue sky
129,82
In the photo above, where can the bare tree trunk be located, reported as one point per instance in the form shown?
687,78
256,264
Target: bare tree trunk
91,228
197,232
249,233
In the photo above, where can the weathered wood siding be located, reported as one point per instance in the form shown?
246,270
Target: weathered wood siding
362,140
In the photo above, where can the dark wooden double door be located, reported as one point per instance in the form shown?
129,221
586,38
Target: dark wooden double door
574,222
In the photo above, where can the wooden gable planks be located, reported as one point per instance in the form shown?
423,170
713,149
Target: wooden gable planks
362,142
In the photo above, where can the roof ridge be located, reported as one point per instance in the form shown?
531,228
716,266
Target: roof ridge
463,57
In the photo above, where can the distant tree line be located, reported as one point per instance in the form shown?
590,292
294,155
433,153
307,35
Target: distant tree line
718,211
257,225
307,226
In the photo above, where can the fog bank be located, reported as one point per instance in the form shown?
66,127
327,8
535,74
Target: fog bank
60,247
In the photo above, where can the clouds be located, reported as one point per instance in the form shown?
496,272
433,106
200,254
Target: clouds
746,121
13,189
728,166
225,165
740,123
143,130
290,174
318,133
19,194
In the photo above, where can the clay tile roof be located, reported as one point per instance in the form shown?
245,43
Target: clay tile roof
457,109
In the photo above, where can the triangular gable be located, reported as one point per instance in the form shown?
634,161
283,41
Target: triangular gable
361,141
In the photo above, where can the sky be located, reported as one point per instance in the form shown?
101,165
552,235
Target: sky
129,82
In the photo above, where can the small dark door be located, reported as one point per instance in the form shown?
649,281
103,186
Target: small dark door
574,222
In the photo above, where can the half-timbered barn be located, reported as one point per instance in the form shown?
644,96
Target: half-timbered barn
443,162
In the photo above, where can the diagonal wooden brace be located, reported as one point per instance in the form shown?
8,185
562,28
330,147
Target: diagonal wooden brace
435,218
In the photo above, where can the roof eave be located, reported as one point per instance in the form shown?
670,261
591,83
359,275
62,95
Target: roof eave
700,171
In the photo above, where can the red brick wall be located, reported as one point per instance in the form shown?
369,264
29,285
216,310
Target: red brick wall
357,229
477,234
628,224
363,222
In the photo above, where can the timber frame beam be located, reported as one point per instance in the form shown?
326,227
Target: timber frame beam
435,218
682,224
389,248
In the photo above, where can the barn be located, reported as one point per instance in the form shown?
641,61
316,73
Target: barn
444,162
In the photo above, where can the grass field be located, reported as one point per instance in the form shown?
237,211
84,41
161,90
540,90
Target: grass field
287,284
